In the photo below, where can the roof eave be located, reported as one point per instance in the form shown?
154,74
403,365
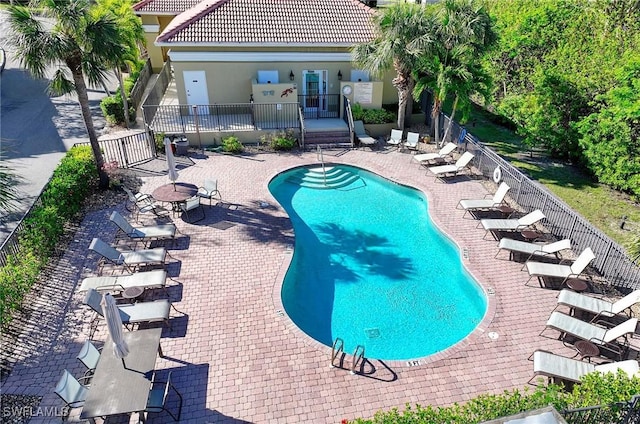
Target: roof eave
260,45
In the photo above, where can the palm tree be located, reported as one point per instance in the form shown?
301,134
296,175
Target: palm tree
81,42
132,34
8,181
449,59
398,26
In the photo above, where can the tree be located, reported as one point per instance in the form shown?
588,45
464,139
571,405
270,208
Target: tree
397,27
131,33
449,58
8,182
81,42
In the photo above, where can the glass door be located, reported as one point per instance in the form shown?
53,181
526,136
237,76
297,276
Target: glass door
314,89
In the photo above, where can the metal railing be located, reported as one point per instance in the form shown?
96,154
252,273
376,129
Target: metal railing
611,262
320,105
303,130
154,98
128,150
617,413
141,83
184,119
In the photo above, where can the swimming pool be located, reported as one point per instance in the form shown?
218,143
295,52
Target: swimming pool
370,268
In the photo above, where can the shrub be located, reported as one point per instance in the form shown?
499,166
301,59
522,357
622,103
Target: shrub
71,183
280,141
232,144
595,389
113,110
372,116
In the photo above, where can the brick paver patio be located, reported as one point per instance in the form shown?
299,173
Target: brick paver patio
236,358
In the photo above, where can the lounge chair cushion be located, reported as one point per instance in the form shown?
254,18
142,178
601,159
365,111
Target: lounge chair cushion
534,248
549,364
158,310
497,200
559,270
446,150
591,332
460,164
513,224
147,279
596,305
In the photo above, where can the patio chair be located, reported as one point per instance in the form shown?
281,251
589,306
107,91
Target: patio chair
543,269
474,205
568,369
395,139
412,141
519,224
131,260
461,164
144,204
189,205
159,394
89,355
70,390
532,249
145,233
134,313
209,190
442,155
364,139
154,279
604,338
597,306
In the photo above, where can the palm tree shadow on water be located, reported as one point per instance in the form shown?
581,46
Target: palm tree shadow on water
328,254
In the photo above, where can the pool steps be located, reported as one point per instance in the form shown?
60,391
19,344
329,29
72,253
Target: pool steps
314,178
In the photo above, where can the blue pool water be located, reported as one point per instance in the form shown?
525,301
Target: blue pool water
370,268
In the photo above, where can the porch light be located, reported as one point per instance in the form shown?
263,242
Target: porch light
339,75
291,76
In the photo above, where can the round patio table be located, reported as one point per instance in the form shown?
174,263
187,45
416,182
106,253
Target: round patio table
175,194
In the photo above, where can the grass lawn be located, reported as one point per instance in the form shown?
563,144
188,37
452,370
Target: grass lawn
597,203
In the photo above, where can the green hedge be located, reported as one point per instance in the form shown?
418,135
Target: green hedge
595,389
72,181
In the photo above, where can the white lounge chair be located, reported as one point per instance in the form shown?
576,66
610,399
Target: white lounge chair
556,366
602,337
472,205
395,139
519,224
412,141
136,313
145,233
532,249
461,164
597,306
129,259
155,279
364,139
442,155
543,269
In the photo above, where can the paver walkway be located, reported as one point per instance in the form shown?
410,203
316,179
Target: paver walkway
236,358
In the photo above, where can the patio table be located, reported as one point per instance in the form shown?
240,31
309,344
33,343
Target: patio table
118,388
175,193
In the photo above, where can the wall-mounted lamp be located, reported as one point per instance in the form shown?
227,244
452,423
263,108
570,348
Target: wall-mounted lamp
291,76
339,75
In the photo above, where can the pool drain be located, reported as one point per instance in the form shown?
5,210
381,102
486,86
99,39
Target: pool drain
372,333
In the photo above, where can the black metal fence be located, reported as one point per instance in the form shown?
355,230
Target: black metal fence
127,150
611,262
184,119
320,105
154,98
141,83
617,413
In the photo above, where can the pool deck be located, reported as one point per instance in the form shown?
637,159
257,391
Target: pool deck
236,357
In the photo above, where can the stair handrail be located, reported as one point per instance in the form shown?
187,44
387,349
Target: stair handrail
336,349
358,355
320,157
302,128
350,123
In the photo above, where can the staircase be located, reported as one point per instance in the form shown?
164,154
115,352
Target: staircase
332,178
327,139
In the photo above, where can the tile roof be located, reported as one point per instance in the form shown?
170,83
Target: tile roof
164,7
275,22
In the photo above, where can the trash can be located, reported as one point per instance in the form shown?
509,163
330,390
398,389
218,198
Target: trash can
182,146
